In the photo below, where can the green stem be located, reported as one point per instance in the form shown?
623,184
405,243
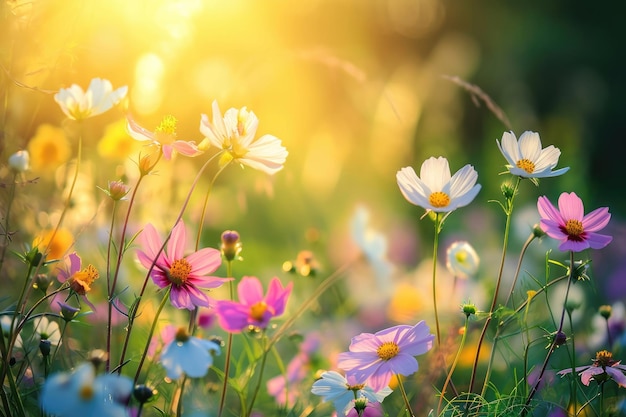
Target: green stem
151,333
109,289
454,363
553,345
407,404
438,224
265,350
508,211
7,215
206,200
229,343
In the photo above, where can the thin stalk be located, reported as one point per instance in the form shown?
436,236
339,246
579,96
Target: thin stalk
407,404
229,343
553,345
438,223
110,289
7,215
508,211
151,333
206,200
454,363
260,377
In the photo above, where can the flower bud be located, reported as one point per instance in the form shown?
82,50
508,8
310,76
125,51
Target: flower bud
605,311
144,393
508,191
117,190
68,312
231,245
147,163
44,347
538,231
560,338
19,161
42,282
468,309
97,357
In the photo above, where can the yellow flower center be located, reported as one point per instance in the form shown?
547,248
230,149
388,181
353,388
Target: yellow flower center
574,228
357,387
86,392
165,132
82,280
258,310
604,358
182,335
526,165
461,257
179,272
387,350
439,199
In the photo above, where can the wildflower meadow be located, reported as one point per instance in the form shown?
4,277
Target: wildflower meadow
212,209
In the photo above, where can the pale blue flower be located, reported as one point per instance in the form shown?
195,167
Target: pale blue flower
373,244
342,391
189,355
81,393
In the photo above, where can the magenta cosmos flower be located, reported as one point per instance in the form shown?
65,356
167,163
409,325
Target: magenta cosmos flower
253,309
375,358
185,274
603,367
570,226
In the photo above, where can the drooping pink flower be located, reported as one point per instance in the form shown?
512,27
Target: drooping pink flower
185,274
164,136
569,224
80,280
253,309
375,358
603,367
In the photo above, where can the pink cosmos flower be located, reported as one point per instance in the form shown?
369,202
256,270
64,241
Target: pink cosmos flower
185,274
569,224
163,136
253,309
375,358
365,408
603,367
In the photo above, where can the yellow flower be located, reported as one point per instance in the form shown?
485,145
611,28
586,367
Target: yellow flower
58,247
48,149
116,143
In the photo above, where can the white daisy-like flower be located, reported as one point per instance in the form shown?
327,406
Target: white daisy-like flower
48,330
99,97
527,159
332,386
82,393
189,355
234,134
164,137
5,325
435,189
462,260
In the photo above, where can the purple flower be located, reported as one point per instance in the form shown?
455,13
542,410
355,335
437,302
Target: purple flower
570,225
375,358
603,367
365,408
254,310
185,274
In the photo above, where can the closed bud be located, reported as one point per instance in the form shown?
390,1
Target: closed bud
144,393
44,347
42,282
605,311
508,191
231,245
20,161
117,190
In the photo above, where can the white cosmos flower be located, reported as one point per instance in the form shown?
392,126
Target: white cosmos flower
435,189
48,330
234,135
462,260
99,97
19,161
527,159
332,386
